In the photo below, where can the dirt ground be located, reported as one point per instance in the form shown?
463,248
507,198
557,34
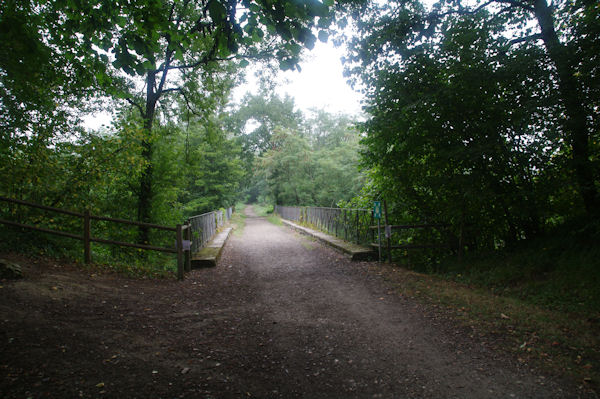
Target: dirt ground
281,317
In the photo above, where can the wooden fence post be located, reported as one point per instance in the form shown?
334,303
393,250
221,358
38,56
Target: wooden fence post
387,230
179,248
87,254
188,253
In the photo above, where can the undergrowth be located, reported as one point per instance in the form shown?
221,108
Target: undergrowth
559,271
129,262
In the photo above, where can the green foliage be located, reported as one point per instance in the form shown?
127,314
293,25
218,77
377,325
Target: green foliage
301,171
295,159
559,271
107,47
263,210
213,170
466,126
258,117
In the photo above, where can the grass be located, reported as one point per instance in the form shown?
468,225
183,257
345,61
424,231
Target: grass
266,211
276,220
135,270
542,296
238,219
263,210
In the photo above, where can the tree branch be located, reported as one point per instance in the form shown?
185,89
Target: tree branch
203,60
187,103
516,3
467,11
138,106
163,78
172,89
537,36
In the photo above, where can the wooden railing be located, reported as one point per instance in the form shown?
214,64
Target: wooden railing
182,234
387,230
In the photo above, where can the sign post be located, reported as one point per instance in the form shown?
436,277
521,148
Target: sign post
377,215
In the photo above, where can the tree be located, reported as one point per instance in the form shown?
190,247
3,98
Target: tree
398,31
166,44
254,122
317,165
465,123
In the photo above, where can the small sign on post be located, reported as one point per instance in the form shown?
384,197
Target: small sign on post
377,209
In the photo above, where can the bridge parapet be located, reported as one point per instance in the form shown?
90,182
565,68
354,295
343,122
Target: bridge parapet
349,224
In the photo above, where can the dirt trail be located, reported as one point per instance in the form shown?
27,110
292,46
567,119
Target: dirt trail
281,316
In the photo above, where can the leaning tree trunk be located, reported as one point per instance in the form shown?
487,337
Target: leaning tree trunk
576,117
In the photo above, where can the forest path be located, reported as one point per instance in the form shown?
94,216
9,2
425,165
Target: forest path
322,326
281,316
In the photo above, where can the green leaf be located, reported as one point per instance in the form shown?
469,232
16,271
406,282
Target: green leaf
217,12
257,35
121,21
179,55
309,41
323,36
244,63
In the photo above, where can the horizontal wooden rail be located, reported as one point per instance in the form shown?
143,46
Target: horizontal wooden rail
410,226
413,246
127,244
42,229
132,223
48,208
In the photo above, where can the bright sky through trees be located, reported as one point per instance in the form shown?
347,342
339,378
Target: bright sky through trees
320,84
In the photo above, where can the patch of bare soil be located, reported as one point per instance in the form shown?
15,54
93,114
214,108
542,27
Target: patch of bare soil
280,317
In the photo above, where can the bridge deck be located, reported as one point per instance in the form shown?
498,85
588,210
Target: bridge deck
356,252
209,255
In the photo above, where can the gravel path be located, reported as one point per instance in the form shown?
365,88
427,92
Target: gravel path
282,316
326,328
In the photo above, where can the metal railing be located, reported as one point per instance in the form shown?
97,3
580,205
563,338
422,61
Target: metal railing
347,224
205,226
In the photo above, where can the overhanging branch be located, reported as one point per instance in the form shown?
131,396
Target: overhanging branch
136,105
537,36
469,11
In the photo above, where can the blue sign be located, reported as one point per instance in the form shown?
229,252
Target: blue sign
377,209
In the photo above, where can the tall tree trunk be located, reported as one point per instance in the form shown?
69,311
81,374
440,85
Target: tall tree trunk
576,116
145,193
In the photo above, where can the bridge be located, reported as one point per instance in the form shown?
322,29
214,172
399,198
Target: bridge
282,316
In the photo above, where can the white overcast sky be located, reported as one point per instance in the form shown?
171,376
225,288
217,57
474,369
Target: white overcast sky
320,84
